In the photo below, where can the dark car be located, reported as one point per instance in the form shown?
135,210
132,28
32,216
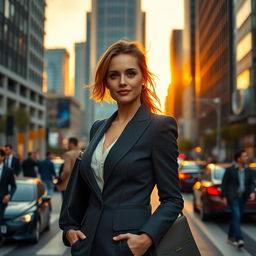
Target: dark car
207,191
29,211
189,173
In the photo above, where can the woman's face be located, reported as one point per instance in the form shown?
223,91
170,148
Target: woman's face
124,79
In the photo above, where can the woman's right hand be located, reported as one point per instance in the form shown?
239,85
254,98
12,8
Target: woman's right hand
73,236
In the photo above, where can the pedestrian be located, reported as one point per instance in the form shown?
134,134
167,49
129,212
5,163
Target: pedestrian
11,161
106,208
69,160
237,187
47,173
7,188
29,166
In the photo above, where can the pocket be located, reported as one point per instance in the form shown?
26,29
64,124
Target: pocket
79,248
129,219
124,248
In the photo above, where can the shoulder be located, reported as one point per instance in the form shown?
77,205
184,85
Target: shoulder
165,123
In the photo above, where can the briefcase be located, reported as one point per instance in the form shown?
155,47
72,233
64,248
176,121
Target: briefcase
178,240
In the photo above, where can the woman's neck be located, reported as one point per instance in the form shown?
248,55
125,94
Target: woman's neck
126,112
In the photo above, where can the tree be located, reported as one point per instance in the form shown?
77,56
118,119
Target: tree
21,119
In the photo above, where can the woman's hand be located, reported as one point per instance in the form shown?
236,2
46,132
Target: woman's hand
138,244
73,236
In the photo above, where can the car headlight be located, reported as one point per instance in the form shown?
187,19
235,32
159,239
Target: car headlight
25,218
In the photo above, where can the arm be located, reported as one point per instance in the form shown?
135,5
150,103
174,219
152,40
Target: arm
74,203
164,160
66,171
224,183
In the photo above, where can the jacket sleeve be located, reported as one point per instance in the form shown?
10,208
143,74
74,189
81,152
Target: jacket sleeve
224,183
74,203
12,184
165,165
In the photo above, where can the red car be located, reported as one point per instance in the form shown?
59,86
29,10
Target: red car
207,191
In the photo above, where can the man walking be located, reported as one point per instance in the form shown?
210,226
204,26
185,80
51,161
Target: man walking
29,165
11,161
69,160
7,188
47,172
237,187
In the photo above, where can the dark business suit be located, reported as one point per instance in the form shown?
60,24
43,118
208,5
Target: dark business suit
6,180
15,165
28,167
230,183
145,154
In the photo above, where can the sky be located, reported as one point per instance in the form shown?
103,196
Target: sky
65,25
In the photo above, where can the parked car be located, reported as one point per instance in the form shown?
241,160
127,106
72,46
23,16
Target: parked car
29,211
207,191
189,173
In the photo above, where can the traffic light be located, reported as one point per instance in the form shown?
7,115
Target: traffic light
9,130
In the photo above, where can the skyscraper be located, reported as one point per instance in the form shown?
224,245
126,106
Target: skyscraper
57,70
80,72
112,20
21,69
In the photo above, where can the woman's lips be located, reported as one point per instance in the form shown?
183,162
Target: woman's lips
123,92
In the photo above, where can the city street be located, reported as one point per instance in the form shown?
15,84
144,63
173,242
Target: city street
210,236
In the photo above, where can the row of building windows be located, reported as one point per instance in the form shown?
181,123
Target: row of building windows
36,45
36,12
12,60
35,77
37,29
36,62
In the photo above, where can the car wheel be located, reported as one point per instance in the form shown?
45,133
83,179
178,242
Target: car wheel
203,215
36,233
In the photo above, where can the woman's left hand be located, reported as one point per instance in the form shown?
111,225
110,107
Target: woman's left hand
138,244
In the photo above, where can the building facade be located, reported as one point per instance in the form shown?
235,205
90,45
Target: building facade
21,71
57,71
63,118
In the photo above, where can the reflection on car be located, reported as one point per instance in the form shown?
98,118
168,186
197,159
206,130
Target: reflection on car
189,173
29,211
207,192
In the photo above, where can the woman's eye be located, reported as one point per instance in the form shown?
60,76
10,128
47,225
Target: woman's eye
112,76
131,74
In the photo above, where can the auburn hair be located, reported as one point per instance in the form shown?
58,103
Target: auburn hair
99,91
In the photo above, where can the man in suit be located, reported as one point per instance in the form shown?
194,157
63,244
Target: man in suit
69,160
29,165
6,180
11,161
237,188
47,172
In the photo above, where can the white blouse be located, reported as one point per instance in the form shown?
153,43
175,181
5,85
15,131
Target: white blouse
98,160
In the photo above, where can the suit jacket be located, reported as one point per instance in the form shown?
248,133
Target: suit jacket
28,167
144,155
69,161
6,180
15,165
46,170
230,183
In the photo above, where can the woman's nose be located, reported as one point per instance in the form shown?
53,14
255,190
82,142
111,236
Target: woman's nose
122,80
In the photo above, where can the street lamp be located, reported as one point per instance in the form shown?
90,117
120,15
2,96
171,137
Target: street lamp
216,105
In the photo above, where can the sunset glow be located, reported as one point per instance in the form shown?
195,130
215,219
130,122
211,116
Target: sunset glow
65,25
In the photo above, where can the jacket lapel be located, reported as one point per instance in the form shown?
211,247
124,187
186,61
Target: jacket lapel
132,132
87,156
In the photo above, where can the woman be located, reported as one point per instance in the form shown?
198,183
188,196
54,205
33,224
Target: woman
106,210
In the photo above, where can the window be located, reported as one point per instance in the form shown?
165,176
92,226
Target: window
243,80
244,47
243,13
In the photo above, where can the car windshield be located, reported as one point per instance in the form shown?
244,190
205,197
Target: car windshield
193,167
24,193
218,173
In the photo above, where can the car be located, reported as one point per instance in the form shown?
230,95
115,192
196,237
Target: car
207,193
189,172
29,211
